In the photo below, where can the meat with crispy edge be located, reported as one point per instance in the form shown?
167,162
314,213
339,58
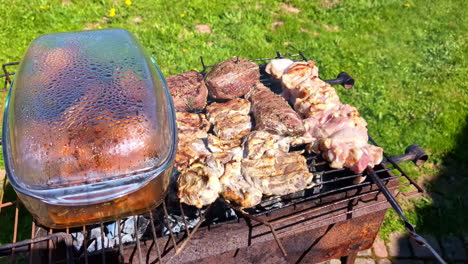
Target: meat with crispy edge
188,91
232,78
231,119
191,129
273,114
336,130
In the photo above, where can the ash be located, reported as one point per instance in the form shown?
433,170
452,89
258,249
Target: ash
96,241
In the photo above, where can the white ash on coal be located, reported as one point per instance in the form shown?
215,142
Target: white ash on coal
111,235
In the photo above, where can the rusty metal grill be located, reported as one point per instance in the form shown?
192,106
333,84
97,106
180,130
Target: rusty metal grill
334,198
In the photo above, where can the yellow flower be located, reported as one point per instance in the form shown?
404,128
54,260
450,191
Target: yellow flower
185,50
99,27
42,7
112,12
407,5
128,2
182,15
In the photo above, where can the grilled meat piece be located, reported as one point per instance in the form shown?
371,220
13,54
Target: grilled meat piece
336,130
198,186
216,144
314,96
190,151
277,172
257,143
297,73
188,90
236,189
232,78
273,114
192,129
195,125
231,119
276,68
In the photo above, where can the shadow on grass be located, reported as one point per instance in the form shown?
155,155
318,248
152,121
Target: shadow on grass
449,192
7,218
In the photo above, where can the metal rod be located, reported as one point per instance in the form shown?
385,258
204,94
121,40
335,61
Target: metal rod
49,246
185,221
389,159
119,233
189,237
166,217
103,247
155,238
6,204
2,193
85,243
27,242
137,237
409,227
272,229
33,231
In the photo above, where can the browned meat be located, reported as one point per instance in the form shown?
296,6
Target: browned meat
273,114
277,173
236,189
198,186
335,130
232,78
194,124
257,143
230,120
188,90
191,148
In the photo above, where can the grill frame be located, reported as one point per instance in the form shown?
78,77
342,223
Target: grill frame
50,244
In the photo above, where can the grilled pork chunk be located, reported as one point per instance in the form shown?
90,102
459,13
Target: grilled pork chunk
188,90
273,114
192,129
257,143
199,185
236,188
277,172
336,130
276,68
231,119
232,78
266,169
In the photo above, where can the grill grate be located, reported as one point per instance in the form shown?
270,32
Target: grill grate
333,191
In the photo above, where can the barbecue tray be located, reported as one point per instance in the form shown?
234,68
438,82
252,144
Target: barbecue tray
338,216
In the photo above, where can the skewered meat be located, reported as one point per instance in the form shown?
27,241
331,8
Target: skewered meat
188,90
276,68
232,78
298,72
336,130
231,119
199,185
272,113
314,96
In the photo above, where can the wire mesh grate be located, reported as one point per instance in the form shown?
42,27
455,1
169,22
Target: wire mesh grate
160,243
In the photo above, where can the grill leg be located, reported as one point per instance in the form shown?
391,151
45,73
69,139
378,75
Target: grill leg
349,259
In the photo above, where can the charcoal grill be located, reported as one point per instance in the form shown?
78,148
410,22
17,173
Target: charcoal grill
337,218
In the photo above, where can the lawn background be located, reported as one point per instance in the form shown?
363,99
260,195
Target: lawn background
408,59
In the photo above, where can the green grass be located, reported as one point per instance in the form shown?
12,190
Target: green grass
410,65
